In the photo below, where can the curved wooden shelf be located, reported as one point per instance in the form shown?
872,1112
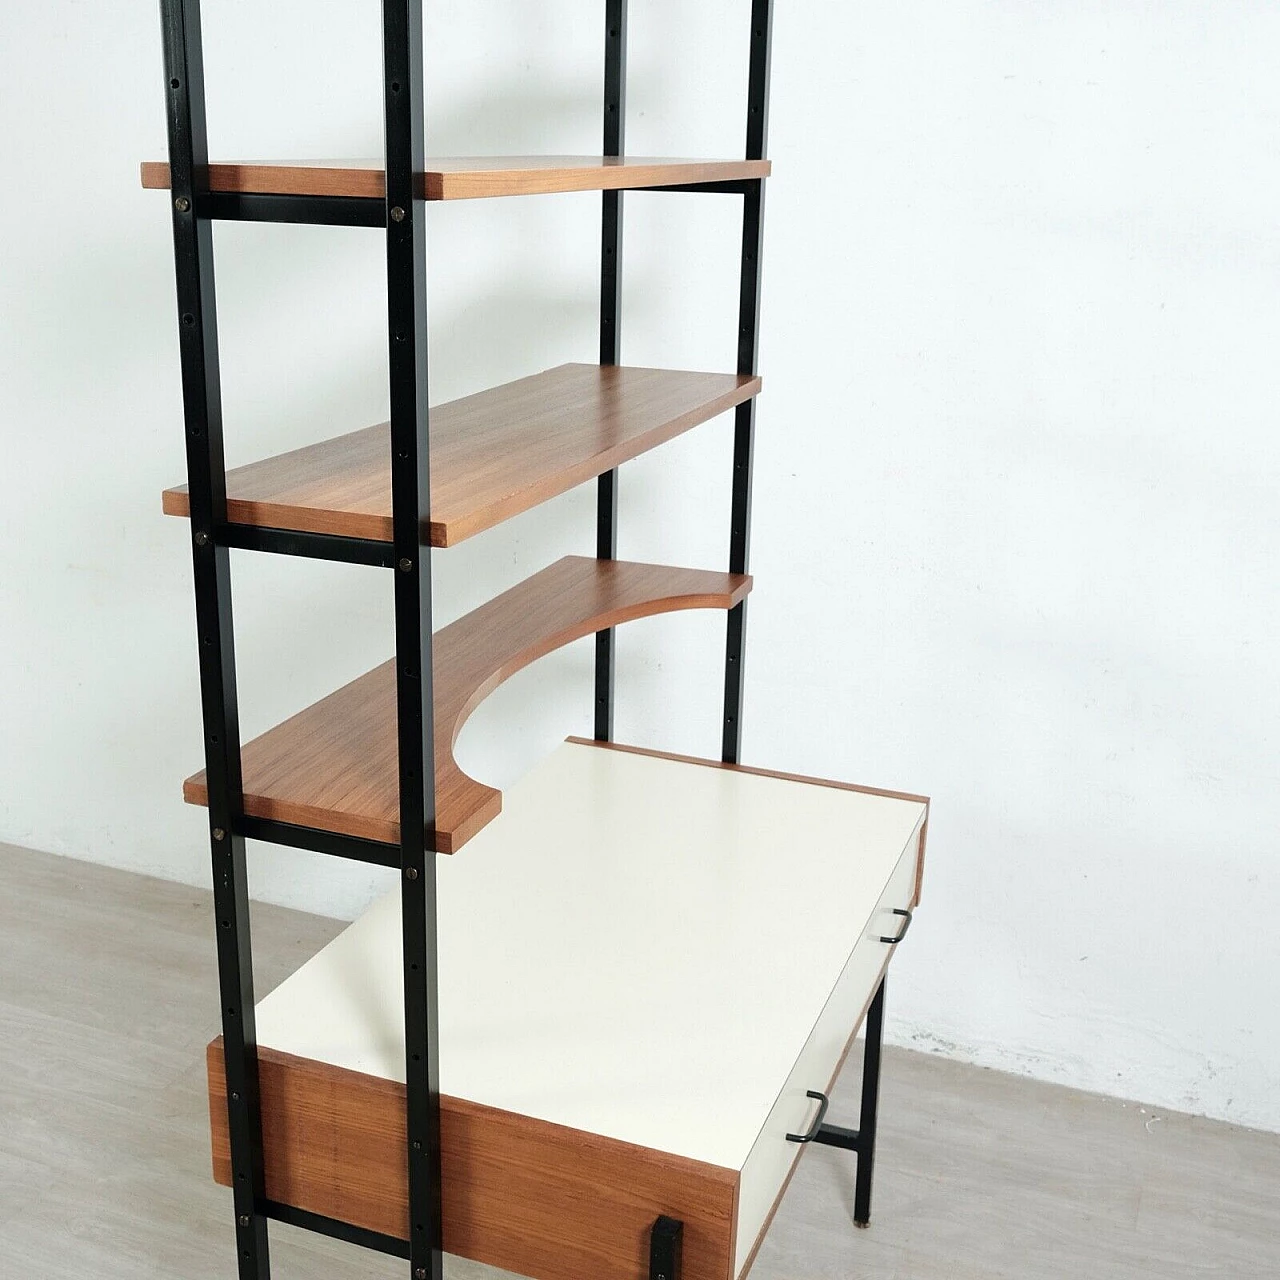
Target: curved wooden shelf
493,454
466,177
333,766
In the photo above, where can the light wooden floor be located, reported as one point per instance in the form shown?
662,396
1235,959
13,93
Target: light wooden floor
107,999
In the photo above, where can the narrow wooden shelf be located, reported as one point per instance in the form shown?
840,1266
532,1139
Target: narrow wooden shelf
333,766
466,177
493,454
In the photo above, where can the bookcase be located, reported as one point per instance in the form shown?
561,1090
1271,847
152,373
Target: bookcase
592,1042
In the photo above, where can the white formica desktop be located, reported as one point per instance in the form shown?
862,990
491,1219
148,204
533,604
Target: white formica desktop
645,965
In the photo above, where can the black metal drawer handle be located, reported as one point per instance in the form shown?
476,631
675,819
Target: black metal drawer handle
823,1102
906,916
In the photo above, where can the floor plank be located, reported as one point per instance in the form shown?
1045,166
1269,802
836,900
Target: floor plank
108,995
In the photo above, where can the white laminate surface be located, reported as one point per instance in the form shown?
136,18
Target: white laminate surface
772,1156
637,947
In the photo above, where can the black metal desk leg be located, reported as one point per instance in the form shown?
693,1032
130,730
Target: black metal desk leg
870,1105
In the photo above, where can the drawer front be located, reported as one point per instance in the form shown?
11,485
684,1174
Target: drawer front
527,1197
768,1167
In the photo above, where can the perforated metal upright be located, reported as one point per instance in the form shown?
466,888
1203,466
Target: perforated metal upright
744,427
206,471
401,214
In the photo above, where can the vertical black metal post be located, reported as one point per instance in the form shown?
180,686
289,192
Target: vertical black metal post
615,110
206,472
411,501
870,1108
748,353
666,1249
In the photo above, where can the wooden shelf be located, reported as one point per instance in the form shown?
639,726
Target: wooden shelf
466,177
493,454
333,766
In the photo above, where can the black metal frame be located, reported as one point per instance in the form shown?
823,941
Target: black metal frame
744,426
314,546
357,849
335,1229
206,471
402,216
323,211
862,1140
666,1249
406,223
615,129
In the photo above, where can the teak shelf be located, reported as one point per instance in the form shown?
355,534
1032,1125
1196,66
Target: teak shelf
493,454
333,766
466,177
593,1045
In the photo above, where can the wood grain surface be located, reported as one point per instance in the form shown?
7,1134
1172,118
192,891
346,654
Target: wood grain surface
493,454
333,766
466,177
535,1198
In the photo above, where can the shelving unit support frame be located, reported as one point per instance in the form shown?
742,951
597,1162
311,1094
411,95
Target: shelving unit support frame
744,425
402,216
406,224
615,127
206,470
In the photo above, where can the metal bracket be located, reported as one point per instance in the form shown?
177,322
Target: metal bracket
666,1249
615,131
833,1135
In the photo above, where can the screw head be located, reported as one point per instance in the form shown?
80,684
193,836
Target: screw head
411,873
405,565
397,214
219,834
202,539
182,204
244,1219
419,1273
235,1097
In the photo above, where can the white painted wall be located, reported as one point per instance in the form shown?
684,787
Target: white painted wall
1015,530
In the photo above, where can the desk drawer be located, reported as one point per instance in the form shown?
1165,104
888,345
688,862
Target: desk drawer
768,1168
